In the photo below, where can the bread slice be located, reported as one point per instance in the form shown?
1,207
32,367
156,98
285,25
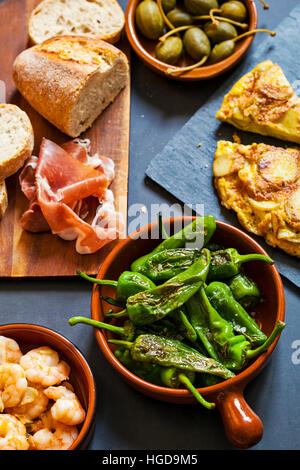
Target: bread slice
70,80
3,199
16,139
102,19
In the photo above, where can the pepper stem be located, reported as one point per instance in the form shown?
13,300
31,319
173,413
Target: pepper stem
164,16
254,31
256,352
221,18
188,384
255,256
103,282
97,324
111,301
120,342
113,314
186,69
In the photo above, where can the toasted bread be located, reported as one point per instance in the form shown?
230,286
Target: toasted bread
102,19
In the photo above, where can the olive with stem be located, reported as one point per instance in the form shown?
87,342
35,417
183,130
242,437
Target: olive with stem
220,31
234,10
226,48
149,20
196,43
203,46
170,50
179,18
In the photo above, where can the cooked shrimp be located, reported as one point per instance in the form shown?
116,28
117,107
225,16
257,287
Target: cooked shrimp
54,435
42,366
9,350
12,433
33,404
67,408
13,385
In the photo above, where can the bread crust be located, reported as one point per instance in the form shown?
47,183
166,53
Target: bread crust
51,75
3,199
13,163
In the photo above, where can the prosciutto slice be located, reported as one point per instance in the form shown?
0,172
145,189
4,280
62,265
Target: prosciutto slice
66,187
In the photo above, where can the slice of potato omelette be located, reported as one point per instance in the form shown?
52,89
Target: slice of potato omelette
262,184
264,102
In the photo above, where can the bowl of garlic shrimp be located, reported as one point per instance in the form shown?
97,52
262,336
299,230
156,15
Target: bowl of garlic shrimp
47,391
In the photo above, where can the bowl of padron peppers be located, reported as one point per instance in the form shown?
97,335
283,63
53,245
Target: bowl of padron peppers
189,310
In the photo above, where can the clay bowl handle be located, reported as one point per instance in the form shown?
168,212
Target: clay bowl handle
243,427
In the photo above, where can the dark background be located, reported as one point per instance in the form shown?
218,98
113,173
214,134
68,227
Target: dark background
127,419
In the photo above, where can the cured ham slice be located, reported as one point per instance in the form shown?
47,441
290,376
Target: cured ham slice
33,219
61,185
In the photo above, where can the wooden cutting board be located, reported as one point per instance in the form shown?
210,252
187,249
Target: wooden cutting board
23,254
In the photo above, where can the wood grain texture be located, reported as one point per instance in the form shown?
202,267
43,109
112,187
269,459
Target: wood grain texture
23,254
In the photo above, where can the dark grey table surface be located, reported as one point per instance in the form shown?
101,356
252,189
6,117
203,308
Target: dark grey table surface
127,419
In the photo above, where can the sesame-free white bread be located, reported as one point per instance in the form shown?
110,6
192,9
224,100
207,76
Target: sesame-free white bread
3,199
102,19
16,139
70,80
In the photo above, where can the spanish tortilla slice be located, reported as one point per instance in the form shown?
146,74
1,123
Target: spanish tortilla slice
261,183
263,102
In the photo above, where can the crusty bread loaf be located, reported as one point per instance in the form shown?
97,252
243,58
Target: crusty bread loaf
102,19
70,80
16,139
3,199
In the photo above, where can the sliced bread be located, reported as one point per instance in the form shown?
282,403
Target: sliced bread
70,80
16,139
3,199
102,19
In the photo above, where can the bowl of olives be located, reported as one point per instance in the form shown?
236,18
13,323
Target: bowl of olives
191,39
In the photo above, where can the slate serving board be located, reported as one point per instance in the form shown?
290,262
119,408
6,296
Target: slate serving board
184,168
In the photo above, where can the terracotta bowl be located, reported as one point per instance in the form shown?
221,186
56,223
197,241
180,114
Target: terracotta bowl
32,336
144,48
243,427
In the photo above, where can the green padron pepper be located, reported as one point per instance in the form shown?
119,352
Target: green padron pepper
227,263
152,305
200,229
234,351
166,352
221,298
129,283
244,290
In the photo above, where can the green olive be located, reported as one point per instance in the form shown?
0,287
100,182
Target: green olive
196,43
169,50
234,11
149,20
220,31
200,7
179,18
168,5
221,51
